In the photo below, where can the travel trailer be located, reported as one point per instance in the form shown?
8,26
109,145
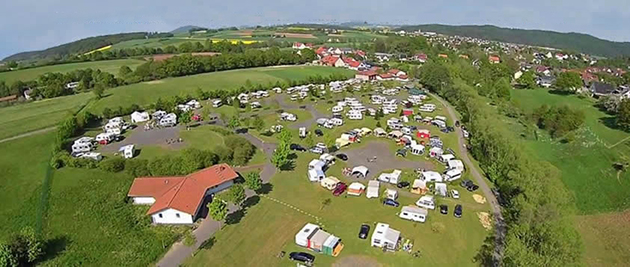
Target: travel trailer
413,214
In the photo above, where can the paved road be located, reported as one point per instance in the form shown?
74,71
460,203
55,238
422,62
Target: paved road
499,223
315,114
385,159
179,252
28,134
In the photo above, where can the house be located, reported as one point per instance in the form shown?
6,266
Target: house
300,46
427,202
332,61
385,237
366,75
431,176
494,59
422,58
329,182
385,76
545,81
543,70
397,72
392,177
137,116
351,63
168,120
179,199
383,56
413,214
601,89
356,189
321,51
372,189
312,237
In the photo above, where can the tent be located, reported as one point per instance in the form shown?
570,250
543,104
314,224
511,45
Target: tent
391,177
329,182
419,187
395,134
373,188
340,142
424,134
356,189
365,131
441,189
360,170
379,132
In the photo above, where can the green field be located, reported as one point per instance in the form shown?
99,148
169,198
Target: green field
18,119
111,66
586,163
606,238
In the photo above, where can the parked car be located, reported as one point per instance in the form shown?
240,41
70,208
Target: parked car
456,123
450,129
403,184
297,147
317,150
365,230
455,194
302,257
444,209
473,188
339,189
458,211
319,132
391,202
303,107
343,157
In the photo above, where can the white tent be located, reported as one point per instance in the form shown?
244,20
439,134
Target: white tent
379,132
391,177
362,170
431,176
373,188
441,189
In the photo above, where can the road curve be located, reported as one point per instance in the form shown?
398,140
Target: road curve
499,223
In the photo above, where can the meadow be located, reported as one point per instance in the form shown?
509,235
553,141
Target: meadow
111,66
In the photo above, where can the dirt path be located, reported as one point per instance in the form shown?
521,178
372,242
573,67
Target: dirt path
499,222
45,130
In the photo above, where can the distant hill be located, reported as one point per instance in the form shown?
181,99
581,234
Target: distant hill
569,41
77,47
185,29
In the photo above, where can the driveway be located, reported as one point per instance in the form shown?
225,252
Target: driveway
140,138
385,159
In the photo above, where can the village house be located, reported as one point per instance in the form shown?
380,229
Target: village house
494,59
179,199
300,46
366,75
601,89
422,58
332,61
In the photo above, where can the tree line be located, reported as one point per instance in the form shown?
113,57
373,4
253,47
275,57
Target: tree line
536,206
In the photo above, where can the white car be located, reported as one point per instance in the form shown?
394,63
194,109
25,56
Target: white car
455,194
317,150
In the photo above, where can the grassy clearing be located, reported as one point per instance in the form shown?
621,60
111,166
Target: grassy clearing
32,116
606,238
586,163
23,163
111,66
342,217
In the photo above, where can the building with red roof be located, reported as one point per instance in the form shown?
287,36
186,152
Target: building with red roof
300,46
352,63
360,53
366,75
494,59
321,51
333,61
385,76
422,57
179,199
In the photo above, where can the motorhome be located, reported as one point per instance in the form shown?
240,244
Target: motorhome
427,202
302,132
168,120
439,123
354,115
105,138
128,151
427,108
82,145
452,175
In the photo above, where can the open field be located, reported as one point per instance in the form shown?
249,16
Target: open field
148,92
111,66
32,116
606,238
586,163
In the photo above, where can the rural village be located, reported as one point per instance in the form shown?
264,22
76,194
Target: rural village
323,147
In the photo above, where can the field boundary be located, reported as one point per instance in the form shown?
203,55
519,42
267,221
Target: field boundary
42,209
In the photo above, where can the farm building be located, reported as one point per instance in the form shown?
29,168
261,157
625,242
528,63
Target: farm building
179,199
356,189
385,237
314,238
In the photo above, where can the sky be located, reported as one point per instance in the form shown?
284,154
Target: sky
38,24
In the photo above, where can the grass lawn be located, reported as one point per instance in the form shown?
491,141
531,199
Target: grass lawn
18,119
111,66
21,181
606,238
343,217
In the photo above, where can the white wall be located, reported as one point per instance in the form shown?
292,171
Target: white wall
143,200
170,216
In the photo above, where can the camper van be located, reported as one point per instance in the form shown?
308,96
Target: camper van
105,138
127,151
426,108
439,123
452,175
92,155
427,202
413,214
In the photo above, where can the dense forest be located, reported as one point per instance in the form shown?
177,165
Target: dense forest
568,41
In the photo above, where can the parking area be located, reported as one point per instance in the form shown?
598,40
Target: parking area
385,159
165,137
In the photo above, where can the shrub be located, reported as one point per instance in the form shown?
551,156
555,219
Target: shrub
114,164
137,167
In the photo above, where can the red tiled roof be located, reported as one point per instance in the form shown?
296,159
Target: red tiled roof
386,76
360,53
393,71
330,60
367,73
320,50
494,58
183,193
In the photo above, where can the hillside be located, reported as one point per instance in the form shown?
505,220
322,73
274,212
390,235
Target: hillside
80,46
569,41
185,29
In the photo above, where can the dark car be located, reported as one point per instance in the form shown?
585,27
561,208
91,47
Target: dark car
391,202
337,116
319,132
297,147
472,188
403,184
450,128
444,209
303,107
458,211
363,233
456,123
302,257
339,189
466,183
343,157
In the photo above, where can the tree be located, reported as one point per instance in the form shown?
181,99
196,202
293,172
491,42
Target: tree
308,141
252,181
280,156
234,123
189,238
22,249
502,89
7,258
435,76
528,80
114,164
258,123
124,71
217,209
325,203
568,81
98,91
236,194
623,118
236,103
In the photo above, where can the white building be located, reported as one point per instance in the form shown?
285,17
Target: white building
413,214
179,199
385,237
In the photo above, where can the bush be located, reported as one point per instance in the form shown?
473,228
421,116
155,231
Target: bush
137,167
114,164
